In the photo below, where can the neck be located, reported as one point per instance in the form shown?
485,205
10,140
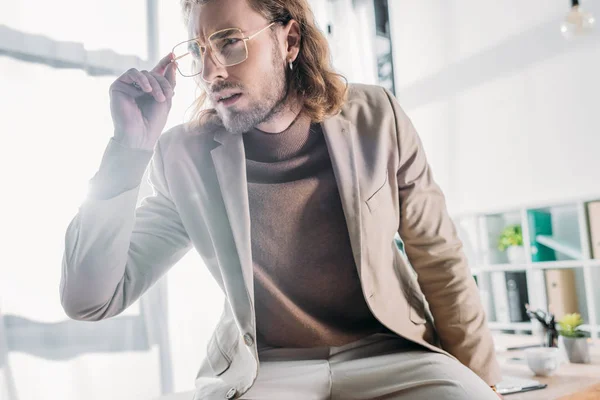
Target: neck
281,120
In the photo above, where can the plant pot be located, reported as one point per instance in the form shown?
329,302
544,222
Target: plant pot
576,350
516,254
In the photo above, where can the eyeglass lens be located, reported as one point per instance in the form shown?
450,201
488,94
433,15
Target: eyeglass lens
227,47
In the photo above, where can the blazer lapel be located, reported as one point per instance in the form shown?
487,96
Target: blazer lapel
230,165
339,136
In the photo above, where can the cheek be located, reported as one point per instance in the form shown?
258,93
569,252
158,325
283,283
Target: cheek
265,61
253,75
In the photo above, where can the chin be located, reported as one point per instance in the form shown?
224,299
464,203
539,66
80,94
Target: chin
235,124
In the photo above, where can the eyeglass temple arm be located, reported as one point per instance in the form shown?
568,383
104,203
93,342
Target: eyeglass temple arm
181,56
266,27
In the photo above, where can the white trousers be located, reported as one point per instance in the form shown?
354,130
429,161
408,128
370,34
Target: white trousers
379,367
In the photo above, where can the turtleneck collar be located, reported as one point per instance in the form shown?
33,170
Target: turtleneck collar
292,142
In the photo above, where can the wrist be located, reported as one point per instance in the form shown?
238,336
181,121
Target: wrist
134,146
135,142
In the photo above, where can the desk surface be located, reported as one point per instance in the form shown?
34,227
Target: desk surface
568,379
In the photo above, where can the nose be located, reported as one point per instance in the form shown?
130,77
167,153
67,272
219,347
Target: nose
211,68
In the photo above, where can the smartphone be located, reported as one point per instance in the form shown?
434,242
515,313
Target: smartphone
513,384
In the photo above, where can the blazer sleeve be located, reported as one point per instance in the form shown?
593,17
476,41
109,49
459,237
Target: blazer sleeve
435,252
114,250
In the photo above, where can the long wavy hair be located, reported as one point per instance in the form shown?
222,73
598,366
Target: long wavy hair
322,90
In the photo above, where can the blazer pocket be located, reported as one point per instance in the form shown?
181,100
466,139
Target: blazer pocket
217,359
378,197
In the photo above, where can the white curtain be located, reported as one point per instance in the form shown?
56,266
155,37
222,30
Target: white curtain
55,124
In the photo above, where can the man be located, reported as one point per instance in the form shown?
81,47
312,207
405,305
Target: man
292,188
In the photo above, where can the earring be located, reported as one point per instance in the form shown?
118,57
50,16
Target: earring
291,66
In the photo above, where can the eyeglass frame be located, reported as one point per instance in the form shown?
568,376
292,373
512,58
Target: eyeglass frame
245,39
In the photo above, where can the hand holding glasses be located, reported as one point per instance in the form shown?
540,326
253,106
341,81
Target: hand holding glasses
140,102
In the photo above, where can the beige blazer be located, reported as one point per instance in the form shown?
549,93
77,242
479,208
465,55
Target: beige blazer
115,252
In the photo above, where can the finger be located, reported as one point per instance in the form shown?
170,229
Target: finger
156,88
126,88
162,64
133,75
171,73
165,85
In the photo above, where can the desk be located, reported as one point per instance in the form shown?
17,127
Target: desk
568,379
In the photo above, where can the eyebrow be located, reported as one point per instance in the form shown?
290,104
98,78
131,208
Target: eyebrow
223,34
198,34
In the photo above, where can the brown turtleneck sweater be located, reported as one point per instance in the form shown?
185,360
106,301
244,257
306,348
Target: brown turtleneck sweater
307,290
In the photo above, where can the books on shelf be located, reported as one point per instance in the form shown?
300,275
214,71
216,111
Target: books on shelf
484,285
509,296
593,215
516,288
561,292
500,296
540,223
558,273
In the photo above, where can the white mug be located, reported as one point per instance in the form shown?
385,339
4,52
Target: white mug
543,361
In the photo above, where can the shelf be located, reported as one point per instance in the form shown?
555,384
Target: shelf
536,266
527,326
558,264
517,326
554,270
500,268
558,246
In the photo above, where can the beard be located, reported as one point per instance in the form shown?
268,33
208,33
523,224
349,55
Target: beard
270,103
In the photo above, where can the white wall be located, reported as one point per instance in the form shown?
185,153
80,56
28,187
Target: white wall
506,108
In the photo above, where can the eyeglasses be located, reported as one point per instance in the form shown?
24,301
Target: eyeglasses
228,47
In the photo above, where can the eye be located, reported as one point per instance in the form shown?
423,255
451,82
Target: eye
226,42
230,41
195,50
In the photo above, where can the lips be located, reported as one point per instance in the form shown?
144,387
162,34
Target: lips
222,95
225,98
228,99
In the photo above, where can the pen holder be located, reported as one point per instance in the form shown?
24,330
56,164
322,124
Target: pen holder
551,337
545,324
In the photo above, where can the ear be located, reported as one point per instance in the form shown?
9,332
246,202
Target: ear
292,40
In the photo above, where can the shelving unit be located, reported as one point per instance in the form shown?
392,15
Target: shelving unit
559,268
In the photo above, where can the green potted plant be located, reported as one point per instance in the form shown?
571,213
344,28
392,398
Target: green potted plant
511,241
572,340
